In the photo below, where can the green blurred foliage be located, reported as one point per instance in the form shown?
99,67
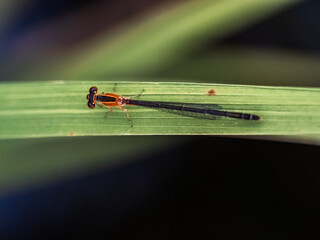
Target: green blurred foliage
153,44
42,160
254,66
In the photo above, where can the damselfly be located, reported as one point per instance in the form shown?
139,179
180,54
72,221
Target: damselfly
187,109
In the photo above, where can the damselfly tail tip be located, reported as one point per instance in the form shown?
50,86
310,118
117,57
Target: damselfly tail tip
255,117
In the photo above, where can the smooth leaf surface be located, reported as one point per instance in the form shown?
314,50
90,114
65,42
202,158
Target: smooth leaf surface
59,109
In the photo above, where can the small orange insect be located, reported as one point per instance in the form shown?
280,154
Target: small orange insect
108,99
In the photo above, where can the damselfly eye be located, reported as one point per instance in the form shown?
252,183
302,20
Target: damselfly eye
91,105
93,90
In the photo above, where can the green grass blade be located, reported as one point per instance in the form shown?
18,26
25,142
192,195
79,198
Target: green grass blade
153,44
45,109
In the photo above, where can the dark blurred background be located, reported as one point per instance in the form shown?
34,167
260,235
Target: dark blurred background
203,188
209,187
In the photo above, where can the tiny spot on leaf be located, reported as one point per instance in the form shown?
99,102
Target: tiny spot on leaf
211,92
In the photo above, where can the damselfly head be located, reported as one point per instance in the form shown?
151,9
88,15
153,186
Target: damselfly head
91,97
